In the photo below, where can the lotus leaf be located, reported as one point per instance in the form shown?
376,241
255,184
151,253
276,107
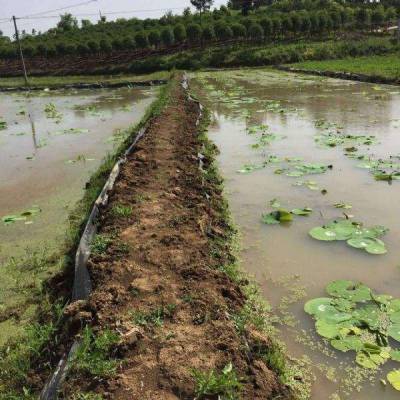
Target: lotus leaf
276,217
394,331
314,305
369,314
321,233
332,330
354,234
302,211
342,205
395,355
394,378
365,361
349,290
347,343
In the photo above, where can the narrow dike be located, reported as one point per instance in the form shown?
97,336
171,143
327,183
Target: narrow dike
170,316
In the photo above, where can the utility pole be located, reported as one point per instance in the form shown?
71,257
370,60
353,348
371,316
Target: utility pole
20,50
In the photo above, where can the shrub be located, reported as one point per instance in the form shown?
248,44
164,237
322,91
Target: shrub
267,25
105,46
194,32
256,32
223,31
239,30
154,38
141,40
180,33
208,33
167,36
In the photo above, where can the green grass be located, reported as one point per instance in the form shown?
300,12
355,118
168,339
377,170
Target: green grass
94,354
155,317
387,66
121,210
225,384
51,81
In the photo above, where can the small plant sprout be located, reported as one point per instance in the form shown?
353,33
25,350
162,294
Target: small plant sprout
226,384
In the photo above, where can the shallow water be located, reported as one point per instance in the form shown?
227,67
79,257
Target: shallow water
46,159
285,259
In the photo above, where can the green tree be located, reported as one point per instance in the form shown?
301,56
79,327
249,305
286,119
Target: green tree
223,30
86,23
239,30
378,15
93,46
167,36
154,38
363,18
142,40
180,33
267,25
194,32
105,46
256,32
67,23
202,6
208,33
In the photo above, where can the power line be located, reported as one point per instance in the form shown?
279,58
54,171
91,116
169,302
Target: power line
103,13
85,3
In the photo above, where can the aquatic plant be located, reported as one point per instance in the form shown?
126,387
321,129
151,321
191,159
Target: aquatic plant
354,234
356,319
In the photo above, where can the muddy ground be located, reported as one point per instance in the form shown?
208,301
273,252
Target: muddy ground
159,283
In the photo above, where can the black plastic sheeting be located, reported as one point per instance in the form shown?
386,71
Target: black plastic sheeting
82,282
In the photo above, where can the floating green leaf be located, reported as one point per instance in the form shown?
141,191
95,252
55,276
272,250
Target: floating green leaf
302,211
349,290
355,235
276,217
394,378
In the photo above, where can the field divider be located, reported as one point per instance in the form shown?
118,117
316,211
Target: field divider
82,285
349,76
81,85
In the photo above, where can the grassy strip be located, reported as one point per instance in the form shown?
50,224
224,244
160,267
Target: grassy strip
266,54
38,345
386,66
256,312
53,81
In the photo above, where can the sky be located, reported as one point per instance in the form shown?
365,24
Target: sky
121,8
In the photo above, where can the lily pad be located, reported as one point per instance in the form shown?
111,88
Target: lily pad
279,216
321,233
394,378
394,331
302,211
347,343
356,292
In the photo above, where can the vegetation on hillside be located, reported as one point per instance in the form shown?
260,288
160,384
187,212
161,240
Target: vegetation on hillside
242,21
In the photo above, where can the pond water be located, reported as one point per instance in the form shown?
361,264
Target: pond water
294,112
50,144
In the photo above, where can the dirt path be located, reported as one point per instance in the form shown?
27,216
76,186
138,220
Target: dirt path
157,276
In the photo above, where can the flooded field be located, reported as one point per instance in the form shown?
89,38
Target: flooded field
50,144
313,151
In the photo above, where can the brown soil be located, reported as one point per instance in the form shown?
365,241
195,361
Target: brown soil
162,256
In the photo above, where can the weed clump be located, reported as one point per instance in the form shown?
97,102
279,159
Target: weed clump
226,384
94,354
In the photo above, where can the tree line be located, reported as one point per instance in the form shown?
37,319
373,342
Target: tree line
285,19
